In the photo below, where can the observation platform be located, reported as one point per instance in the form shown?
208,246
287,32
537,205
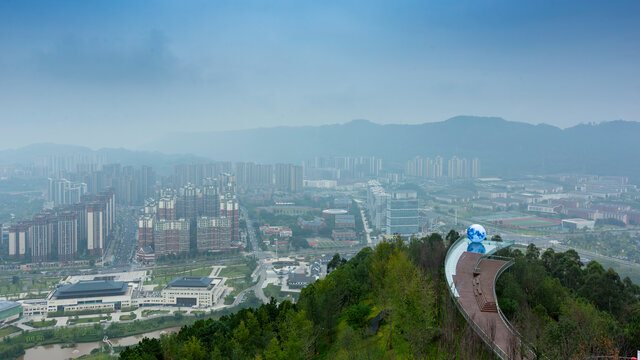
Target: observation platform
471,277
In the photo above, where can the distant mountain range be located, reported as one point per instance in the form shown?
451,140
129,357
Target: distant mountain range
504,148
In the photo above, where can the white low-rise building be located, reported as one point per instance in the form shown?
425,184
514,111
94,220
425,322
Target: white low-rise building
193,291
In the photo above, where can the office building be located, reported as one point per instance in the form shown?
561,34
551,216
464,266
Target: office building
193,291
402,214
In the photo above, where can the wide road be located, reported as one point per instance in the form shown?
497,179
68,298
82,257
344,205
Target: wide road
260,256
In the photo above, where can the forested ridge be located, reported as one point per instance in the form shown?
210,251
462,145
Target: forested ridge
567,310
392,302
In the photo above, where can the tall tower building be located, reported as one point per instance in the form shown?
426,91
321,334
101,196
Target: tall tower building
171,237
402,214
145,231
18,237
41,237
67,235
95,227
214,233
289,177
229,209
475,168
167,208
210,201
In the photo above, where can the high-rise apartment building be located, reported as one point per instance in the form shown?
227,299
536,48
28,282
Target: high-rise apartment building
95,227
66,235
41,237
65,192
187,202
18,235
214,233
289,177
229,208
210,201
145,231
171,237
167,208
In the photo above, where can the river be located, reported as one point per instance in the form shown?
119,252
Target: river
56,352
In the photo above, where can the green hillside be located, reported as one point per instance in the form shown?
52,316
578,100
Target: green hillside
392,303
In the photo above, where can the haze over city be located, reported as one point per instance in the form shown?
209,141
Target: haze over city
154,69
297,180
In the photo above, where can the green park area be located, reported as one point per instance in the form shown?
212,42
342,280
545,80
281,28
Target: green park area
130,316
41,324
8,330
241,269
275,291
88,320
12,287
147,313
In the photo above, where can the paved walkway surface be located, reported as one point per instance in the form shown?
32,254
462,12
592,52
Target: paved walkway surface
477,293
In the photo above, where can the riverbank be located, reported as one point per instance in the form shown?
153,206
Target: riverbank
15,346
60,352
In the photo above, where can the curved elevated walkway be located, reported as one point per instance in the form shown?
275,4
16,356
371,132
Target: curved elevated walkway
472,278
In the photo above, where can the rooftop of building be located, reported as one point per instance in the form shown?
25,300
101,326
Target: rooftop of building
299,278
6,305
91,288
190,281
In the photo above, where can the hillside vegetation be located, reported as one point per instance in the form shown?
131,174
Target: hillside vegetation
392,303
384,303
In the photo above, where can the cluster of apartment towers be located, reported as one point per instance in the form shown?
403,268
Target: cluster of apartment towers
435,168
62,232
211,207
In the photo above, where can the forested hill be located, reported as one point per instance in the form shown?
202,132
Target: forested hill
392,302
504,147
384,303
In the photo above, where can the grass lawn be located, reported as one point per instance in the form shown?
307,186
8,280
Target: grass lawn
198,312
179,312
90,319
131,316
231,271
238,285
8,330
147,313
228,300
276,292
41,324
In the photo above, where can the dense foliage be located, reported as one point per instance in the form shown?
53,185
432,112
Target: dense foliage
384,303
568,310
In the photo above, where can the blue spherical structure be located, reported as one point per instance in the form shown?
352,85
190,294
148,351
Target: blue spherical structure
476,233
476,247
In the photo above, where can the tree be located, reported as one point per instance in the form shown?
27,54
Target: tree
452,236
192,349
334,263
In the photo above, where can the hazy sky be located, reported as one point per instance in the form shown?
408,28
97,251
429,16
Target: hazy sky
118,73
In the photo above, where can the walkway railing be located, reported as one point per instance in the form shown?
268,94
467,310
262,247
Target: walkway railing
483,336
454,294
